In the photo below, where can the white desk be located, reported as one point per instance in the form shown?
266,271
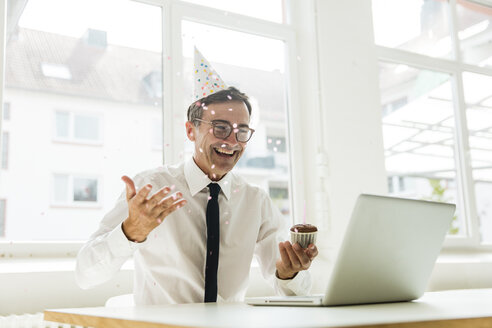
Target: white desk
461,308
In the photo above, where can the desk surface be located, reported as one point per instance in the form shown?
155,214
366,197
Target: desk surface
459,308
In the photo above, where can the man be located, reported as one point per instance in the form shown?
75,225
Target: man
169,236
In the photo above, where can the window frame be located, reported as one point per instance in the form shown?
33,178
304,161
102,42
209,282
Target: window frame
455,68
71,203
214,17
5,143
6,111
4,214
71,139
173,12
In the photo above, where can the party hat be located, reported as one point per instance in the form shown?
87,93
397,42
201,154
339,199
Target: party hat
207,81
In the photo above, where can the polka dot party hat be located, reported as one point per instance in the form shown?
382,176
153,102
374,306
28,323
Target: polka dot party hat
207,81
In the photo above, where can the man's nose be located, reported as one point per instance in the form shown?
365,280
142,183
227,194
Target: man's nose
231,139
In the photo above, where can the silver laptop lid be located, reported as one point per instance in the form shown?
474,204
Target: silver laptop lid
389,250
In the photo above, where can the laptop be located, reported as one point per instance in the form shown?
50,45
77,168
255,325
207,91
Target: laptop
387,254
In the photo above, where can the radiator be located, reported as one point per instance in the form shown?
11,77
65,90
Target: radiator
30,321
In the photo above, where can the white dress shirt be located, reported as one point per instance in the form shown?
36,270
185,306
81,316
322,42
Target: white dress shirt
170,263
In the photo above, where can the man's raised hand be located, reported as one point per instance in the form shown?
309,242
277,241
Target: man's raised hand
145,213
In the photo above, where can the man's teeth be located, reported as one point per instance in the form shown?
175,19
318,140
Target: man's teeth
224,151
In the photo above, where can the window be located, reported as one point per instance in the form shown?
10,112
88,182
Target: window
437,114
276,144
3,210
6,111
256,65
413,25
84,128
156,128
280,196
75,190
478,100
419,134
5,150
78,79
474,33
56,70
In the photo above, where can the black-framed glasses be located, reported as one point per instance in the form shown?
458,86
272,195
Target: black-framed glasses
223,129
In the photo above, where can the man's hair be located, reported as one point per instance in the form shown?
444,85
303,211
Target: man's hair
230,94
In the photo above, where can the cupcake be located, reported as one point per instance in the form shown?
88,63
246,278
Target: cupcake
304,234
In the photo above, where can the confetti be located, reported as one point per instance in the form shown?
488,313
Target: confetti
213,165
295,230
278,142
209,197
229,97
274,148
234,125
227,222
205,107
230,109
172,187
214,176
236,130
269,141
223,145
213,112
201,150
211,131
159,220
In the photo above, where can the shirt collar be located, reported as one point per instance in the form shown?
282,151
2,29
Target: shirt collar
197,179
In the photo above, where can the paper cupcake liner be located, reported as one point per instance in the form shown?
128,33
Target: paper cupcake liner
303,238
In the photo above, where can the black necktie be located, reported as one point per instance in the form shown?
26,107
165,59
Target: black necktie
213,240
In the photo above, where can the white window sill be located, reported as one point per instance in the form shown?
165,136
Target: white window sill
465,257
38,265
65,264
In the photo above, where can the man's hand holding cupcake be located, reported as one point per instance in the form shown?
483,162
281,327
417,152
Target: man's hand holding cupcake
299,254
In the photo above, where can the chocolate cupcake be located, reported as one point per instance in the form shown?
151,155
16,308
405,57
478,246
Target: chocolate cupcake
304,234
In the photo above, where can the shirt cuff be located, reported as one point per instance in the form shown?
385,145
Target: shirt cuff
120,245
299,285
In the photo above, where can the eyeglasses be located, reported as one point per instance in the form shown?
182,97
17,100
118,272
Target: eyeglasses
223,129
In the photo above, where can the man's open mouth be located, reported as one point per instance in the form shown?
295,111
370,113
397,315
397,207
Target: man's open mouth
224,152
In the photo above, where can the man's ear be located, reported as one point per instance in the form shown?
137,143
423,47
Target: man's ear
190,131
